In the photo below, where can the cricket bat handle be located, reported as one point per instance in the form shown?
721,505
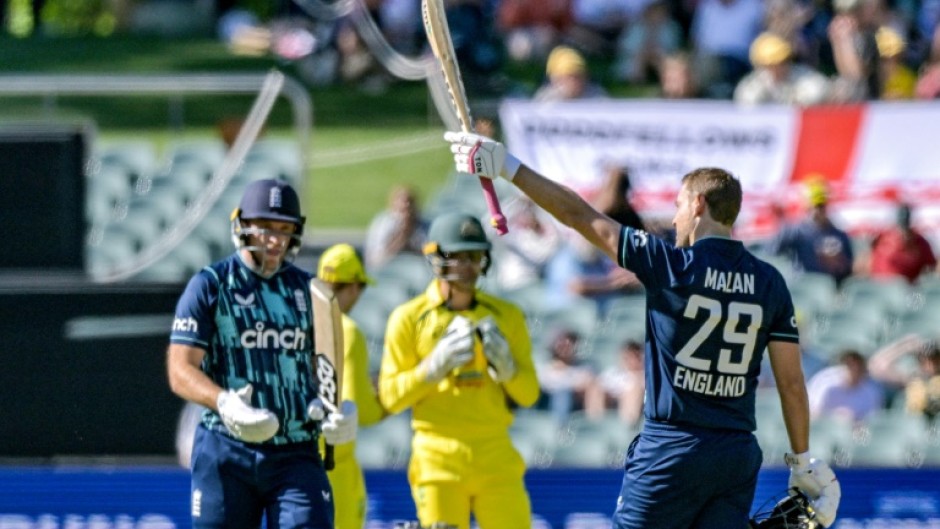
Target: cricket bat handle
497,219
329,461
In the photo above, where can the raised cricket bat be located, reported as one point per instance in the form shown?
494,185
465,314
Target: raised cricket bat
328,350
435,24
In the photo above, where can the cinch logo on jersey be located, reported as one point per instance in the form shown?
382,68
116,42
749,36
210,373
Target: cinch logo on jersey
185,325
262,338
709,383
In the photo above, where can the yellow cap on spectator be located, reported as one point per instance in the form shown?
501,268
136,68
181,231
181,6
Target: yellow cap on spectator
340,264
890,42
565,61
817,193
769,49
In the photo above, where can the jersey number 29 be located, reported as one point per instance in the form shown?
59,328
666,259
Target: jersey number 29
730,334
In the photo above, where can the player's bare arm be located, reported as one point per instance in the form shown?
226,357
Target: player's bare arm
788,373
187,380
570,209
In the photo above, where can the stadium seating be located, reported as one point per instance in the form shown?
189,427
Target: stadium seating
406,270
891,295
386,444
813,293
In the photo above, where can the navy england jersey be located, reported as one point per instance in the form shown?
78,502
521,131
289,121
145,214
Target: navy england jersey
711,309
254,330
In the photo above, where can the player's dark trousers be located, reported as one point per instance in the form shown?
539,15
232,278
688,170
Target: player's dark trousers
235,483
688,478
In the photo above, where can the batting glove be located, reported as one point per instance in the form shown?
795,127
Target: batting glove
252,425
481,156
453,350
316,411
341,427
817,480
496,350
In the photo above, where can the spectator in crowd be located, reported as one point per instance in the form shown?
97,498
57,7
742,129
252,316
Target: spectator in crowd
921,382
567,78
524,252
777,78
399,229
476,43
531,28
928,80
855,49
643,44
461,359
622,386
816,244
899,251
721,55
897,80
400,22
357,65
676,77
613,199
845,390
788,19
566,381
579,269
598,23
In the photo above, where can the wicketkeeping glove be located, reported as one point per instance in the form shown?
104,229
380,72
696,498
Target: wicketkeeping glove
481,156
252,425
453,350
817,480
496,350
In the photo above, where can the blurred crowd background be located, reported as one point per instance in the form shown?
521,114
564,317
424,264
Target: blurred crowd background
867,305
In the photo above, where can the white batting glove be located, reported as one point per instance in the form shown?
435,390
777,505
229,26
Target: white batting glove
453,350
816,479
316,411
481,156
252,425
496,350
341,427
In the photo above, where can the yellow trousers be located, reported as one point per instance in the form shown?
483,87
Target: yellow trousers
349,494
450,479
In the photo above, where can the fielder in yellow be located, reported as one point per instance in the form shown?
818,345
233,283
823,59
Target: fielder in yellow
457,356
341,268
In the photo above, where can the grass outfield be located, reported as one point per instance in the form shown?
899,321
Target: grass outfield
361,144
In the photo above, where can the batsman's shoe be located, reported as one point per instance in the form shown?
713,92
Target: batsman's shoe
481,156
252,425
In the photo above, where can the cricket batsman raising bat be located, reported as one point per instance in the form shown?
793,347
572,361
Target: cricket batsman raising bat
435,24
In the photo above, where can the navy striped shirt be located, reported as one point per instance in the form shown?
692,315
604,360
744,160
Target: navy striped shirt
256,331
711,309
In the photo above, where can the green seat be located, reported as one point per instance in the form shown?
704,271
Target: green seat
892,295
410,271
386,444
588,452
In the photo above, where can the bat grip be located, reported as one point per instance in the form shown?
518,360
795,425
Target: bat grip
497,219
329,463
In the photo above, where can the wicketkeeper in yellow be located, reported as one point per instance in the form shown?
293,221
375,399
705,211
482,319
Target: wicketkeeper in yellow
340,267
458,356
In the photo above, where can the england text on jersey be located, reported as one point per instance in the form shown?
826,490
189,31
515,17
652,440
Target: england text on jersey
730,282
709,383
